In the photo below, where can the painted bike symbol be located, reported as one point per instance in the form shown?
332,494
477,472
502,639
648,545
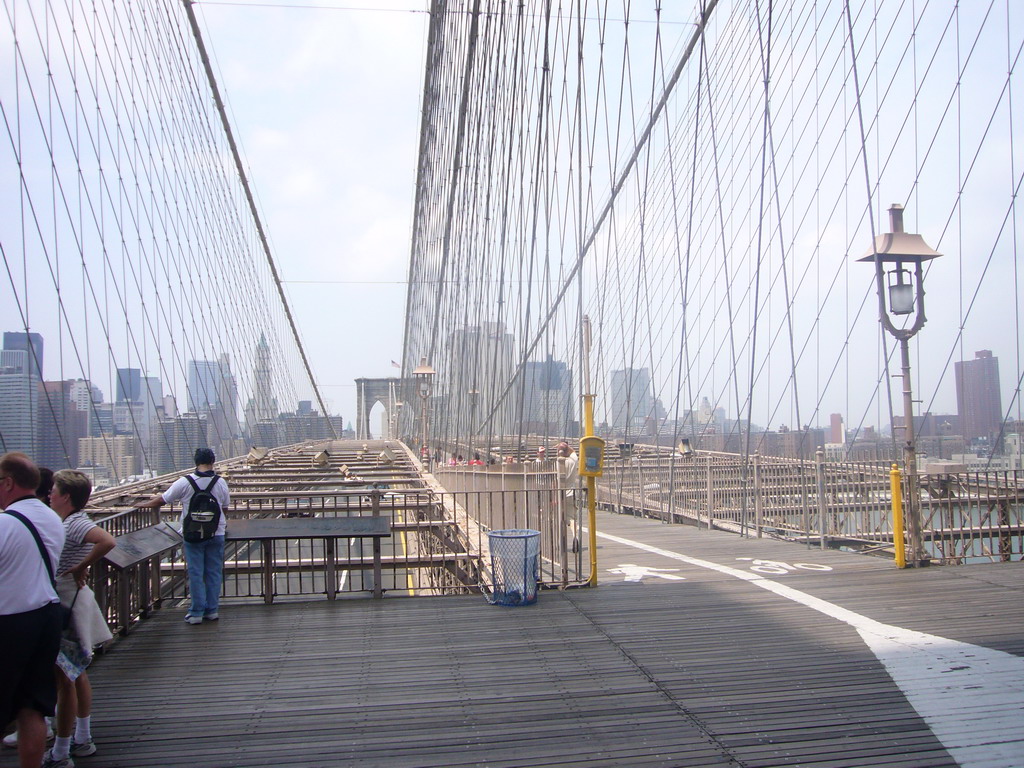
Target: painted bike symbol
777,567
632,572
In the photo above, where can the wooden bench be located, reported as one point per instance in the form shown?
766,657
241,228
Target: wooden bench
139,549
330,529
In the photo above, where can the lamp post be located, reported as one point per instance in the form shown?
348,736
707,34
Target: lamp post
423,375
395,419
893,254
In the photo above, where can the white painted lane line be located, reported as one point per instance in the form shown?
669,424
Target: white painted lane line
971,697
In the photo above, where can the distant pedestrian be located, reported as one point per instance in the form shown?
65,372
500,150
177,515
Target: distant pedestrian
31,540
86,543
570,480
205,556
45,485
570,462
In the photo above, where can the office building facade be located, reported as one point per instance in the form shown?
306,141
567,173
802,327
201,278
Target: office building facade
978,401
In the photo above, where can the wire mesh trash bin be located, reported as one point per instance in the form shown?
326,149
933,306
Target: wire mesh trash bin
515,564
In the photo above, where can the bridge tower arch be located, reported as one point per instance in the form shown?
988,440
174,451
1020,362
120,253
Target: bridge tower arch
369,392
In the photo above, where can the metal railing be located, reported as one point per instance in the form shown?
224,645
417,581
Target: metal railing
974,516
132,593
439,546
966,517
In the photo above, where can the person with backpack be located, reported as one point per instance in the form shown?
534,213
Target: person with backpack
204,499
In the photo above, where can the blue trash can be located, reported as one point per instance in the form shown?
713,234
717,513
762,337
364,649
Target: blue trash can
515,566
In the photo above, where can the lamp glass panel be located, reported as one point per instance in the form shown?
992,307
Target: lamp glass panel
901,298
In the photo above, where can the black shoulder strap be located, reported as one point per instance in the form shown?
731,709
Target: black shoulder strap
196,488
39,543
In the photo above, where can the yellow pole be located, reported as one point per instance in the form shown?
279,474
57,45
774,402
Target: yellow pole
588,431
896,483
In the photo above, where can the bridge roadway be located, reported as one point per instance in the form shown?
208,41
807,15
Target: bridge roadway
684,656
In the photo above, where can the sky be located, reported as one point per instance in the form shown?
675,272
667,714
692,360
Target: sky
324,101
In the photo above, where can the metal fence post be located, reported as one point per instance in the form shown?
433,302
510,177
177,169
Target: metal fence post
819,469
804,505
330,568
711,494
758,502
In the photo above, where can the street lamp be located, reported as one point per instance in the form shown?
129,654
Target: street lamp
423,374
897,251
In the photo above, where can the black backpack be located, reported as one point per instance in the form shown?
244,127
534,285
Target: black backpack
203,513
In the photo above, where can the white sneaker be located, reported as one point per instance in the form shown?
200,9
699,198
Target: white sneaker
83,749
11,739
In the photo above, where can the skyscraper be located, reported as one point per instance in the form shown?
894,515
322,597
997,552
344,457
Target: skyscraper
212,391
264,406
481,358
19,402
836,433
84,394
978,400
32,343
61,425
129,385
227,395
547,397
152,396
632,401
203,384
174,442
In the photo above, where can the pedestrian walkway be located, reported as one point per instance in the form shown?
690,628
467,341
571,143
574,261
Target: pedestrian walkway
698,649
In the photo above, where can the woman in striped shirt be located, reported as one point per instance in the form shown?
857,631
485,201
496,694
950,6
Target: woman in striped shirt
84,544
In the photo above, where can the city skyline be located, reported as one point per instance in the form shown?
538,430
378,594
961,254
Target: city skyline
140,431
212,384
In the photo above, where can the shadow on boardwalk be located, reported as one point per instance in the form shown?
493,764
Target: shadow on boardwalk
703,669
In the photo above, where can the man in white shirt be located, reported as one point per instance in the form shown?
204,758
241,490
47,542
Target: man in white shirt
571,465
30,617
569,462
205,559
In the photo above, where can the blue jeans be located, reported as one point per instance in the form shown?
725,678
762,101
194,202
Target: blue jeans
205,560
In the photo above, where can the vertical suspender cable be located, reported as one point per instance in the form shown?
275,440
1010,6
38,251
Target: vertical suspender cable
620,181
194,24
871,214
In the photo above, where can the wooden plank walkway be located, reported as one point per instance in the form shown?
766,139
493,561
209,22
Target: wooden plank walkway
698,669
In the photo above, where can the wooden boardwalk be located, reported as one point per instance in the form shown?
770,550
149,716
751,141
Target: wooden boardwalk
687,666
